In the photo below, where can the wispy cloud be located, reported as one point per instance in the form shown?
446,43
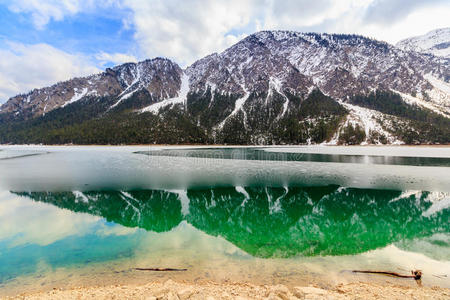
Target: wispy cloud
24,67
388,12
42,12
187,30
115,58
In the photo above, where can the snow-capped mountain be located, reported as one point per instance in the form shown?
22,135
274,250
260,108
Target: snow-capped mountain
340,65
271,87
160,77
436,42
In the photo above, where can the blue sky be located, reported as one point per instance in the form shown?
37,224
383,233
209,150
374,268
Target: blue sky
45,41
85,33
88,32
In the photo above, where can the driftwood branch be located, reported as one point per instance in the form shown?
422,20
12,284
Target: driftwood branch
416,274
160,269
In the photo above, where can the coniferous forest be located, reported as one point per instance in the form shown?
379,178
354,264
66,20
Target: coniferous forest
315,118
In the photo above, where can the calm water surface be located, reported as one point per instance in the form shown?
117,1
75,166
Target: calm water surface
89,215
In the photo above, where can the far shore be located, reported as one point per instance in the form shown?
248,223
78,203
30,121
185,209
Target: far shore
222,145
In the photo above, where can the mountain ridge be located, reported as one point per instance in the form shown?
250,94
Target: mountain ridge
435,42
261,82
112,82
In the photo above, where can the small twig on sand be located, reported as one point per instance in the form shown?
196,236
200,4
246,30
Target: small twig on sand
160,269
416,274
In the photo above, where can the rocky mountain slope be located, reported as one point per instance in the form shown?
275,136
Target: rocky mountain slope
159,77
436,42
272,87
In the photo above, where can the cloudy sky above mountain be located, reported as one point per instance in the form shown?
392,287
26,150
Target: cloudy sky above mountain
45,41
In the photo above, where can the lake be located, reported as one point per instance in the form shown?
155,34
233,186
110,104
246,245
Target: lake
90,215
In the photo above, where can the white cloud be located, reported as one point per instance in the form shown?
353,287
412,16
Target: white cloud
295,14
43,11
414,23
25,67
115,58
188,30
387,12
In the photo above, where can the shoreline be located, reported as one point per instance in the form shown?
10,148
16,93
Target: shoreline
223,145
235,290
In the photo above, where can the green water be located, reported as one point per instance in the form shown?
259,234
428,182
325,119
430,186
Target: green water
302,221
263,222
74,216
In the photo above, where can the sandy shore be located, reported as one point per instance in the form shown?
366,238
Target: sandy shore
172,290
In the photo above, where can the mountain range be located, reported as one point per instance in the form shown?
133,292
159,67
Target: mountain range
272,87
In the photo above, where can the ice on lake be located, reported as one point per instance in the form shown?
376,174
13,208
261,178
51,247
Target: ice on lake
93,168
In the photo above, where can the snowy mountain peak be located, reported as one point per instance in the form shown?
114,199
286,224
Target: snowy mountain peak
160,77
338,64
436,42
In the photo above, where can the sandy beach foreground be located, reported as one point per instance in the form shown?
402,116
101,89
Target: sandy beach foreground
172,290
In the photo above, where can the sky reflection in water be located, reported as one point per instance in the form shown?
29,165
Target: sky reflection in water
293,218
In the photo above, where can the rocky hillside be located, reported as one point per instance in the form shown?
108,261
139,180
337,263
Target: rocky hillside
436,42
340,65
160,77
273,87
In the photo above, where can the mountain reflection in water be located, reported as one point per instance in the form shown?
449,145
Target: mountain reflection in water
272,222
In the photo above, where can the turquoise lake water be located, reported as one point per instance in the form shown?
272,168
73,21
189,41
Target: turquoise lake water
76,214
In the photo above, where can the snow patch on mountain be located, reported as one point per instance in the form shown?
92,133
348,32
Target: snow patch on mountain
180,99
275,83
368,120
436,42
237,107
439,109
440,93
125,96
77,96
438,84
127,93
